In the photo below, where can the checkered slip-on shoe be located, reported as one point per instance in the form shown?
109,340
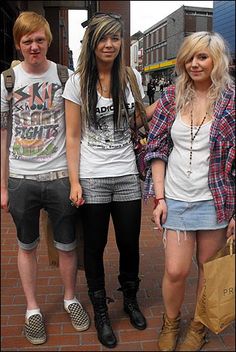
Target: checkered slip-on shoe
34,329
79,318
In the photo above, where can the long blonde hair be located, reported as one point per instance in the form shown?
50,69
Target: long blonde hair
98,27
220,76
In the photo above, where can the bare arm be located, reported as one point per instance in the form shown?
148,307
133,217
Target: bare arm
73,137
158,176
4,168
150,110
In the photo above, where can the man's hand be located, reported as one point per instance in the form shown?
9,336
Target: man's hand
4,199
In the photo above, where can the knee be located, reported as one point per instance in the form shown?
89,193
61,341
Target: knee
66,254
175,274
27,252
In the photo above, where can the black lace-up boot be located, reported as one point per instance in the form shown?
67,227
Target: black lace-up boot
102,322
130,289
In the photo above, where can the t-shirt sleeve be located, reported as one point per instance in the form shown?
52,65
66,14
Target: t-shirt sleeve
70,72
4,94
72,89
139,80
4,104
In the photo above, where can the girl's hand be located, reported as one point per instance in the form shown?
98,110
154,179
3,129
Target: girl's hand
160,214
231,228
76,195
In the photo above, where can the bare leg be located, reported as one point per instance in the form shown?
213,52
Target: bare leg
68,270
27,266
208,243
178,261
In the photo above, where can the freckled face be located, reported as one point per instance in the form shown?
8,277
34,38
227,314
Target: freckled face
200,66
108,48
34,47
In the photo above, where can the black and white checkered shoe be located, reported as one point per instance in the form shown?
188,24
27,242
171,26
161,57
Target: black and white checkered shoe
34,329
79,318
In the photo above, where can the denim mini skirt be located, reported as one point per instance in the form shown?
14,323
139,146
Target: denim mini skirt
192,216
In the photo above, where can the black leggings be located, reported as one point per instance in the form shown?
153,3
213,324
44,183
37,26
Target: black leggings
126,218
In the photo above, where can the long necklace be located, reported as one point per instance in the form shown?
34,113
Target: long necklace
192,137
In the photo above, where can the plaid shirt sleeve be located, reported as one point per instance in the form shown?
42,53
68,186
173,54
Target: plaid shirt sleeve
159,140
221,177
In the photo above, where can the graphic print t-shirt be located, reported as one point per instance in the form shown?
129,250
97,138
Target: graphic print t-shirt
106,151
38,126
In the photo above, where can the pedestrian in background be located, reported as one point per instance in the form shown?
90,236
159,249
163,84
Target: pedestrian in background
102,168
191,151
37,168
161,85
151,89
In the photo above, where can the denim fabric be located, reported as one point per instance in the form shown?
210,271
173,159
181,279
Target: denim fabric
27,197
192,216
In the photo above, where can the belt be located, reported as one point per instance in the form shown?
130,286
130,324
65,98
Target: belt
49,176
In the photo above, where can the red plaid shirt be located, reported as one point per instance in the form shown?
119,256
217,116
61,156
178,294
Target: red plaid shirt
221,173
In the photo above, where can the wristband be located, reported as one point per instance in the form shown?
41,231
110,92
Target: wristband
156,202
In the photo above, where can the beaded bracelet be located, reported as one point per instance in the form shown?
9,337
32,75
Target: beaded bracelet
156,202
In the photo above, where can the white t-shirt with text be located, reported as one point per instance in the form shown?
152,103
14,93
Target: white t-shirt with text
38,122
105,151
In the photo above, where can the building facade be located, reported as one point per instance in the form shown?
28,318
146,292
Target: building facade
136,51
224,23
161,42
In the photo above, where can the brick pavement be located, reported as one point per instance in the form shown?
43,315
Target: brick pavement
61,335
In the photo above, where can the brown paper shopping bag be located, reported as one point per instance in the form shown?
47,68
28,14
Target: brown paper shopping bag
216,303
46,229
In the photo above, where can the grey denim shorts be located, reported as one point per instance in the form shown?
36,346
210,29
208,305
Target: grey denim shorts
109,189
27,197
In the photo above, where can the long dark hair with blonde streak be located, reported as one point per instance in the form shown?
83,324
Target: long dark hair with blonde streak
220,76
99,27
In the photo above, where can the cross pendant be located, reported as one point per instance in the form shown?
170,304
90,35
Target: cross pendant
189,173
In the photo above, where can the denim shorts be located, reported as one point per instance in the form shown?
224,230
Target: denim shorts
109,189
27,197
192,216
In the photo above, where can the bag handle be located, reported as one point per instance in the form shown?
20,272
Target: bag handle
231,243
137,98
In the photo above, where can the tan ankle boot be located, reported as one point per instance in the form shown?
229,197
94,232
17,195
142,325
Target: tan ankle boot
169,333
195,337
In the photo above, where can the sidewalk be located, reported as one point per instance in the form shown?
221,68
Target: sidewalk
146,99
61,335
